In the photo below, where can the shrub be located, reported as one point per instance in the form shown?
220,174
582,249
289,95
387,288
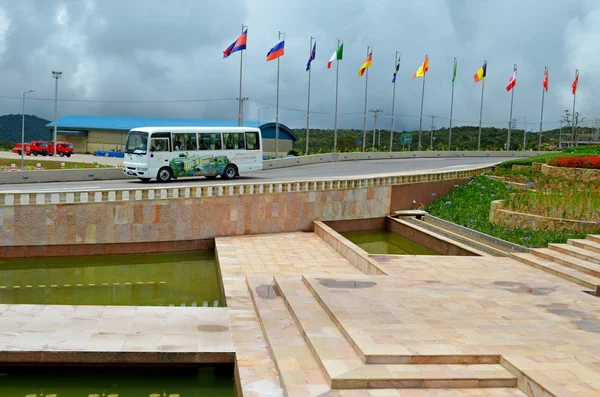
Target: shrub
576,162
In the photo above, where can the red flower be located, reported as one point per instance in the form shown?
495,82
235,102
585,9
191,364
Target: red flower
576,162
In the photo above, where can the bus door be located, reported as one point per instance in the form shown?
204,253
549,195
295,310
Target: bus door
160,152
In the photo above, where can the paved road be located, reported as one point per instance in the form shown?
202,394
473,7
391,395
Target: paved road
305,172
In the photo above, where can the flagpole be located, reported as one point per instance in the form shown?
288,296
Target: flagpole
337,72
481,109
512,96
542,115
573,122
240,101
452,105
365,113
422,96
277,106
396,60
308,103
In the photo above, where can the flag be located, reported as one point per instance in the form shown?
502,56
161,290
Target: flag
276,51
337,55
422,69
575,82
311,57
238,45
366,64
396,70
545,81
512,82
481,73
454,70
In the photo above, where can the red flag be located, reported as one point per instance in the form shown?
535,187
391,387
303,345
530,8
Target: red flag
545,81
512,82
575,82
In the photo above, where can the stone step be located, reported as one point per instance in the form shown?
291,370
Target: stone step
577,252
588,244
572,275
331,349
346,370
495,392
299,371
593,237
567,260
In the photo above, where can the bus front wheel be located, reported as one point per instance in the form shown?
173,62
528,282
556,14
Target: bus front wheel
230,172
164,174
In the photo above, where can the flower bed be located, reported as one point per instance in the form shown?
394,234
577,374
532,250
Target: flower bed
469,206
592,162
500,216
573,174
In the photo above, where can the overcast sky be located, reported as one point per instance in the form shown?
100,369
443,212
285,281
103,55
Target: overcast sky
154,50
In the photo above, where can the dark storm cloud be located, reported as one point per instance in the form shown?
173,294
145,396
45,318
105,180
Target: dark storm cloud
171,50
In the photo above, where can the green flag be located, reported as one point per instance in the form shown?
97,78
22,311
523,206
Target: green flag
454,71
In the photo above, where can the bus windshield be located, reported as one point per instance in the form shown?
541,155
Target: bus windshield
137,143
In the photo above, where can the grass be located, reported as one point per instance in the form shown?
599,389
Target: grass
543,158
469,206
48,165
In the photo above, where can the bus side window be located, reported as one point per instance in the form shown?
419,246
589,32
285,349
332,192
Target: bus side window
210,141
252,141
159,145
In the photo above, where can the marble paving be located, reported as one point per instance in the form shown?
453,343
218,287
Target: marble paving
449,326
111,334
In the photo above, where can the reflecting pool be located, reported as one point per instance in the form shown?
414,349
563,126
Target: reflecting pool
116,382
159,279
384,242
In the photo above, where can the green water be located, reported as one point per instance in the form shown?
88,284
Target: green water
384,242
116,382
159,279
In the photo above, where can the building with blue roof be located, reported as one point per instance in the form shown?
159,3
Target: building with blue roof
92,133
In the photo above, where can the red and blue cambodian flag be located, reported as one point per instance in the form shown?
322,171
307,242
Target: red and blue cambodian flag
238,45
311,58
276,51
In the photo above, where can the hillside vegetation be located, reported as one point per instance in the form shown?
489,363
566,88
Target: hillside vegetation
10,129
463,138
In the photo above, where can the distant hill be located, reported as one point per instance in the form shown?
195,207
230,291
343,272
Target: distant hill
10,128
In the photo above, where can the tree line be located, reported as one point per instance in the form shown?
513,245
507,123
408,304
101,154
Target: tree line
463,138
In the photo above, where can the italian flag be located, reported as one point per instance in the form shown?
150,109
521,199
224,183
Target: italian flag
337,55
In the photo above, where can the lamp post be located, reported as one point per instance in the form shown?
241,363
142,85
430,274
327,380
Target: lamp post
259,109
23,132
55,75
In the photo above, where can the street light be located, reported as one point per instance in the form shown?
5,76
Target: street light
56,76
259,109
23,132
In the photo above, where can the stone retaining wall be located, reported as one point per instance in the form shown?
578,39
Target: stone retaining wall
574,174
511,219
192,213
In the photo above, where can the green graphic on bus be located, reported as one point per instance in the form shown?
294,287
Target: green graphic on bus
198,165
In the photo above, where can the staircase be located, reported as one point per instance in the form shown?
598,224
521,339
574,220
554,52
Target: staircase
578,261
316,357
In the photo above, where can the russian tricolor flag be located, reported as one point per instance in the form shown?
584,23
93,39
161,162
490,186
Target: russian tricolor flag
238,45
276,51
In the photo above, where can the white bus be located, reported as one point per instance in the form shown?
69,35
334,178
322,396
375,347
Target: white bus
176,152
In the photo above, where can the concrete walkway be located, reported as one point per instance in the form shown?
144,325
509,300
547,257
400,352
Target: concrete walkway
451,326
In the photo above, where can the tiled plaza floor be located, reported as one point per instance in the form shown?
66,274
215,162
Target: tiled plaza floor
434,321
108,334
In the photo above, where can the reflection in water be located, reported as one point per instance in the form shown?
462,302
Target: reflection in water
158,279
384,242
117,382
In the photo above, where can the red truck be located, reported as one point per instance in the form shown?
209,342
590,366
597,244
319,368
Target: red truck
33,147
62,149
45,148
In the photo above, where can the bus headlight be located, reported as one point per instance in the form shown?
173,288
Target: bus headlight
142,169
